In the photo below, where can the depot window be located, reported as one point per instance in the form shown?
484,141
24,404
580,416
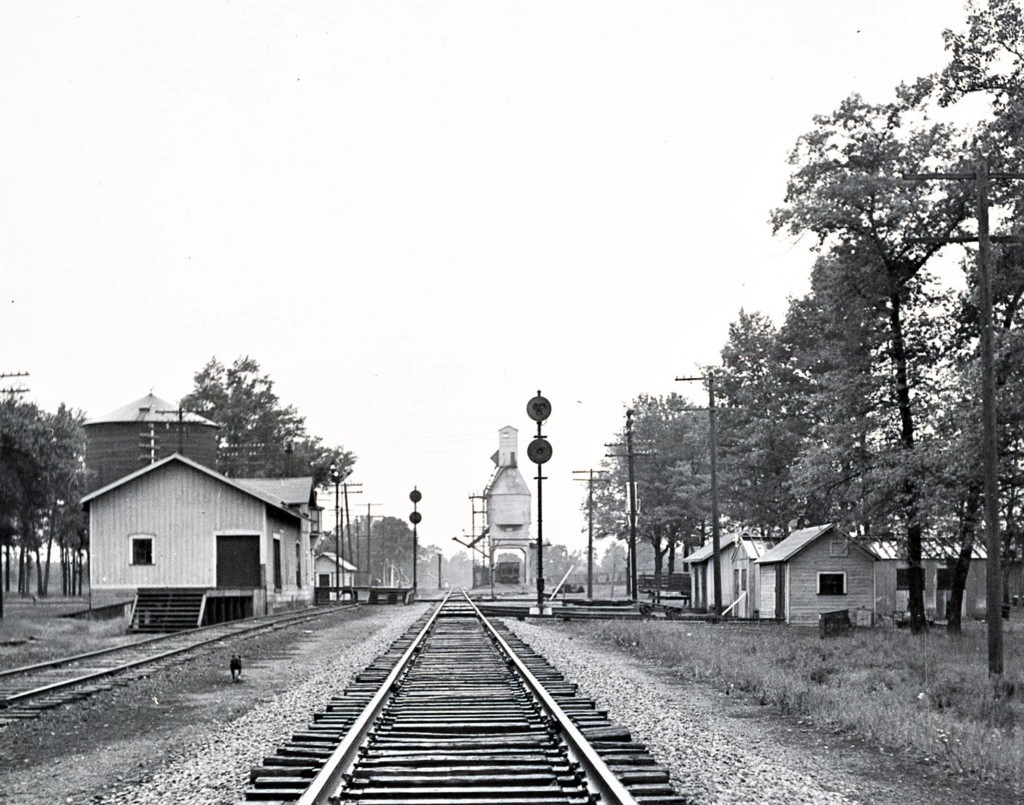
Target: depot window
831,584
142,550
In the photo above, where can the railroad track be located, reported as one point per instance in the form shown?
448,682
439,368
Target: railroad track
27,691
460,711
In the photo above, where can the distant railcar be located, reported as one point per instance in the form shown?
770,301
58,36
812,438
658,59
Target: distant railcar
506,573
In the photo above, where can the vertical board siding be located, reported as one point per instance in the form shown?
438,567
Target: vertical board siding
805,605
182,509
767,590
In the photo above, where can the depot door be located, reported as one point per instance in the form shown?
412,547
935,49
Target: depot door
238,560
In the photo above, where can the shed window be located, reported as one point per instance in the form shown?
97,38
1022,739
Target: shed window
142,550
838,548
903,578
944,578
831,584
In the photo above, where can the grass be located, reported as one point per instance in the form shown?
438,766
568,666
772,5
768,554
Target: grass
928,692
32,632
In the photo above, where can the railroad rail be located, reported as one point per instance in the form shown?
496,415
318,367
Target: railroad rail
460,711
28,690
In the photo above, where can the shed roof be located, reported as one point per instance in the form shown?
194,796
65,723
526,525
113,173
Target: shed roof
752,546
331,555
252,492
290,491
798,540
151,409
930,549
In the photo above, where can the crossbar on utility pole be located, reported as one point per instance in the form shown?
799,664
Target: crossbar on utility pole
716,536
590,525
990,437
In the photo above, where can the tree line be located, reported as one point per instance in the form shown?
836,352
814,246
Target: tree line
43,472
862,406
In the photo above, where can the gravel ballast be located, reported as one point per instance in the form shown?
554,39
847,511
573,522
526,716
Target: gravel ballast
721,748
189,735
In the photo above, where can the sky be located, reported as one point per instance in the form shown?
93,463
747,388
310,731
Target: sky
416,215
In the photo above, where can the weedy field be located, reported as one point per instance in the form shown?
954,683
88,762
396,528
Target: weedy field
928,693
36,631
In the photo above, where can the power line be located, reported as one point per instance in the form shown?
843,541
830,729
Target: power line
12,390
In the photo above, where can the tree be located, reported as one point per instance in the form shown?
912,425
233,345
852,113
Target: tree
41,480
848,191
391,558
762,425
259,436
670,467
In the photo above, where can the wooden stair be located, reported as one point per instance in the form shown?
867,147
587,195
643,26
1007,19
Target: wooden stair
167,609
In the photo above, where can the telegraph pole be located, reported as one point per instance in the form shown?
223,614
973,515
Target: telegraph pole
632,509
369,569
336,476
590,525
990,437
180,413
716,537
631,494
348,519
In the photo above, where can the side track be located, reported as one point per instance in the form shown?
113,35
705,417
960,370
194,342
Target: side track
26,691
460,711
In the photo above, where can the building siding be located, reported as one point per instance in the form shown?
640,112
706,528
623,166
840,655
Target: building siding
805,604
766,587
183,510
892,600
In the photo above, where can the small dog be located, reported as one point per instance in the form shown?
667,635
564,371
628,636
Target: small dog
236,668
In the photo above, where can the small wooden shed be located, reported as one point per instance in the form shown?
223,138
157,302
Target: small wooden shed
737,552
212,546
817,570
327,564
937,558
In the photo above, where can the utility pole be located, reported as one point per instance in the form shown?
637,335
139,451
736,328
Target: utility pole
716,536
348,519
590,525
631,493
337,475
369,560
632,509
990,437
180,413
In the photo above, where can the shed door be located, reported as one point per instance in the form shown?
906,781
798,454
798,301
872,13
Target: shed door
238,560
780,591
